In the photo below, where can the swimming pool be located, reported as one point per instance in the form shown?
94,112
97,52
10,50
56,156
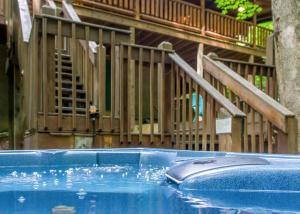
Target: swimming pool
134,181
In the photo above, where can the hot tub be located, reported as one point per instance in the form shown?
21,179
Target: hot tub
135,181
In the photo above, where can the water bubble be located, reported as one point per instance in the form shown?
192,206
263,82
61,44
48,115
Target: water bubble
81,194
44,184
14,174
21,199
56,181
101,176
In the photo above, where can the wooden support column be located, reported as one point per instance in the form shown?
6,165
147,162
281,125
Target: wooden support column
200,52
270,51
202,5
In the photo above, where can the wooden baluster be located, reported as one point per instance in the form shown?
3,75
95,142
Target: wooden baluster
161,9
173,122
157,8
261,134
213,124
205,118
129,82
178,126
166,10
270,134
113,77
152,7
162,97
45,72
74,82
190,115
171,17
59,69
101,73
253,131
86,78
122,89
143,5
184,110
140,94
197,120
151,96
148,6
268,82
174,11
179,14
246,109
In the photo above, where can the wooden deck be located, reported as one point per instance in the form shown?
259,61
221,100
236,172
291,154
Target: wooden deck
180,19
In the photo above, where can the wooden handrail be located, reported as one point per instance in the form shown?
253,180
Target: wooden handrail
258,102
212,103
232,109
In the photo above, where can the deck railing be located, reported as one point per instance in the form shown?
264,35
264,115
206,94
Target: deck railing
269,126
261,75
188,16
195,120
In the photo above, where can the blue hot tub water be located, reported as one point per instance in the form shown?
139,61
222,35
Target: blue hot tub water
134,181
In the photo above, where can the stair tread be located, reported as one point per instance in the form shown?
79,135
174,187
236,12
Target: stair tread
68,82
70,99
70,90
70,109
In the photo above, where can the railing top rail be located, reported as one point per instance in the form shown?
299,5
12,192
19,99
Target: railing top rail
267,29
257,99
147,47
227,16
25,19
187,3
83,23
241,62
232,109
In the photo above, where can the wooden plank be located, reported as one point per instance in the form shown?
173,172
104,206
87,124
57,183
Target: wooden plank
113,76
261,134
204,119
178,126
122,89
213,124
102,69
152,96
59,71
74,72
140,89
45,71
129,82
172,101
190,115
86,75
197,120
184,110
162,73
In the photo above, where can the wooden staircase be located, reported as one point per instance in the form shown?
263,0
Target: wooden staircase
66,84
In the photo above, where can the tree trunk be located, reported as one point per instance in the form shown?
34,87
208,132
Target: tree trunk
286,18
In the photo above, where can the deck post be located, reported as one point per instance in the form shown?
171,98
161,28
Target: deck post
200,51
236,134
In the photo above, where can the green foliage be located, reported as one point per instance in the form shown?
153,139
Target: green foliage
245,9
268,24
